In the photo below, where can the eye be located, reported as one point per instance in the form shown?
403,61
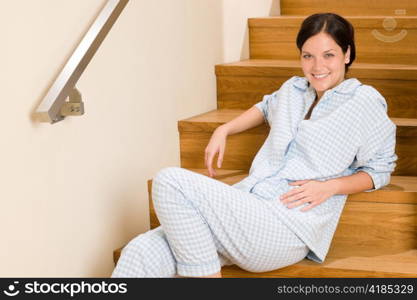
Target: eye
306,56
329,54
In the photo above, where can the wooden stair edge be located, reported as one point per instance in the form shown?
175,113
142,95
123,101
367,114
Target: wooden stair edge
305,268
295,63
288,68
210,120
401,190
358,21
355,7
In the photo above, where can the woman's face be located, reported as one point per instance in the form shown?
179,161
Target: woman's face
323,62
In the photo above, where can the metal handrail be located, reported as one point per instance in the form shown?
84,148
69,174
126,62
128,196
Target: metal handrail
54,106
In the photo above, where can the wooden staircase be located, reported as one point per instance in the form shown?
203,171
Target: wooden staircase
377,233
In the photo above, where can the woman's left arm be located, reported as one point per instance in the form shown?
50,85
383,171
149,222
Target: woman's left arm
351,184
316,192
373,165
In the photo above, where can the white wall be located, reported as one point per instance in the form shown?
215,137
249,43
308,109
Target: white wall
73,192
235,20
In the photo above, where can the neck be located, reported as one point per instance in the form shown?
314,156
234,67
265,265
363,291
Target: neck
319,94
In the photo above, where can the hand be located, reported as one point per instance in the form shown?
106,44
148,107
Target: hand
217,144
310,191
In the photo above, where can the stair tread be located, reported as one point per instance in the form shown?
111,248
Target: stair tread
363,20
409,122
264,68
276,63
354,7
405,183
346,16
211,120
398,264
403,264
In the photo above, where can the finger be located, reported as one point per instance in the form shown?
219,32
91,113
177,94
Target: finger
210,164
310,206
298,202
292,195
220,158
206,161
298,182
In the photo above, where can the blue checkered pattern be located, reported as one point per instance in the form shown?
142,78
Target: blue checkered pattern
206,224
348,131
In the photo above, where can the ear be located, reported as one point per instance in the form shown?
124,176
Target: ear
347,55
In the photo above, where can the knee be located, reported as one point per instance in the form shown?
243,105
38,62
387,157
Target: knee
144,241
165,174
162,184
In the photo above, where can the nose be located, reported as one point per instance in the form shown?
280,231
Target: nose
318,64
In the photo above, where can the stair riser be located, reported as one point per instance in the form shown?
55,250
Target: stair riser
241,92
375,225
239,153
350,8
274,38
242,148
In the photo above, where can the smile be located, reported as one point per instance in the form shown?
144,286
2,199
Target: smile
319,76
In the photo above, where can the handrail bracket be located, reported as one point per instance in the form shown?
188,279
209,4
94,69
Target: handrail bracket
74,106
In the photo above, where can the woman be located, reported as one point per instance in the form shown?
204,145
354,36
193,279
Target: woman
329,137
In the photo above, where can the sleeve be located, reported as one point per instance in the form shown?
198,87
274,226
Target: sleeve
377,155
264,107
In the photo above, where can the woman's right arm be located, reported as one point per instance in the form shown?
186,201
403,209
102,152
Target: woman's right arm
247,120
217,144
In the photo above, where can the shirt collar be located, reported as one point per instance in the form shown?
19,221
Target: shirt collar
347,86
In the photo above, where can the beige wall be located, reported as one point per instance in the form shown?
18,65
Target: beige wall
73,192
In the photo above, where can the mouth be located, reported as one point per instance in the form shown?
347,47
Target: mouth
320,76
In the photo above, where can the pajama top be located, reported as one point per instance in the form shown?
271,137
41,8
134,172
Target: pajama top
348,131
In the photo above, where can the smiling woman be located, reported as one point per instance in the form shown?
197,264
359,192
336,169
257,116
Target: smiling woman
289,206
327,47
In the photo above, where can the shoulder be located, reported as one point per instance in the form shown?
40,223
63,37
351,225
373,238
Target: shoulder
374,108
371,97
295,83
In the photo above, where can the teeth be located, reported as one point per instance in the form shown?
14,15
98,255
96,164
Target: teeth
320,76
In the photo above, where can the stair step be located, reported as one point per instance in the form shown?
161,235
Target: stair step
209,121
400,265
287,68
274,38
375,237
241,148
353,8
242,84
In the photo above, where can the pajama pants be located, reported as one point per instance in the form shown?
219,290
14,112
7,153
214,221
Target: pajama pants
207,224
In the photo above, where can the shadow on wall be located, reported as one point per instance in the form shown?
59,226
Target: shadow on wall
275,10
